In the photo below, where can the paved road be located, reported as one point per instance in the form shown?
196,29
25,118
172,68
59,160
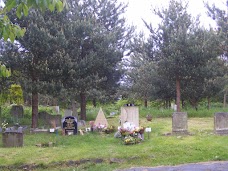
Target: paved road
208,166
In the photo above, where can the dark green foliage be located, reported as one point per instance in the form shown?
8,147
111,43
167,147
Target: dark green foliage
72,54
179,56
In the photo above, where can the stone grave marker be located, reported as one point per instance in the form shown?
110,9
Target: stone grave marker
101,119
17,112
180,122
13,137
221,123
68,112
130,114
70,125
49,119
56,109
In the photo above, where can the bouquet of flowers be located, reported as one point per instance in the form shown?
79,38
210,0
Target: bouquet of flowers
109,129
4,125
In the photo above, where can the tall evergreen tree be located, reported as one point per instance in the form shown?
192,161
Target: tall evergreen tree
39,53
183,47
221,18
97,36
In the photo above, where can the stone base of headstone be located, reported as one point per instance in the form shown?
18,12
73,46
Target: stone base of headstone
180,123
12,139
221,123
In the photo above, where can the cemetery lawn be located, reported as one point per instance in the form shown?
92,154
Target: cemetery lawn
99,151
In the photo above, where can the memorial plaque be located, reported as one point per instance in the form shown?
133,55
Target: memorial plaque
70,125
180,122
221,123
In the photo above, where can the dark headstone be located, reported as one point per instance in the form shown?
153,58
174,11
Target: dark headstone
180,122
70,125
221,123
17,112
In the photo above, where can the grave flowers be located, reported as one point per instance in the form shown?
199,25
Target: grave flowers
4,125
109,129
132,137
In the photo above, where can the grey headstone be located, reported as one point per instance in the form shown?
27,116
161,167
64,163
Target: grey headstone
112,113
221,123
56,109
68,112
180,122
8,130
12,139
17,112
20,129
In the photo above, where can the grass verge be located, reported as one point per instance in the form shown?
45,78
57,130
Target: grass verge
99,151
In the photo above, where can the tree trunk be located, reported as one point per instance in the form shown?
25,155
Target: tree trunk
83,106
224,99
94,103
145,102
169,104
34,109
208,103
74,108
178,94
0,112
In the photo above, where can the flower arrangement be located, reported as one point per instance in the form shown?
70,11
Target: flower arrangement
109,129
131,137
4,125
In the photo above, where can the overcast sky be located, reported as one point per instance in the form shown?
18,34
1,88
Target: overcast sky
138,9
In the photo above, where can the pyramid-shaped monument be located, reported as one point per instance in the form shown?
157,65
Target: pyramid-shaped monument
101,119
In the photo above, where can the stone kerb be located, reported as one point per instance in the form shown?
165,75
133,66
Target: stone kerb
180,122
221,123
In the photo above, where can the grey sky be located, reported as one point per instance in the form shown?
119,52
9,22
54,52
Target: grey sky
138,9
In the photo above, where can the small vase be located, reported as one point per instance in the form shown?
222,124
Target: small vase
149,117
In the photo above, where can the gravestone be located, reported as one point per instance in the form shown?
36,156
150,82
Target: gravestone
101,119
221,123
12,139
17,112
180,122
68,112
49,119
130,114
70,125
56,109
13,136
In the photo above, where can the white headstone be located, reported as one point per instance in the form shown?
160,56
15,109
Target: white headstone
56,109
130,114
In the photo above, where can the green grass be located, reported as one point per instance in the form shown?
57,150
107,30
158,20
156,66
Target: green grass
157,149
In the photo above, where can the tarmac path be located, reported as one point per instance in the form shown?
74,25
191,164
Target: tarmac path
207,166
